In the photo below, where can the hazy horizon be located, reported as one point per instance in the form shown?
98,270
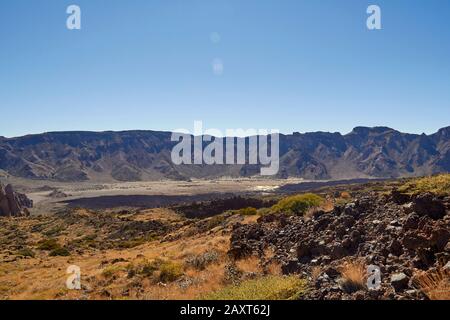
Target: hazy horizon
284,133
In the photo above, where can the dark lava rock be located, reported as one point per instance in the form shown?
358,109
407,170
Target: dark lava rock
399,281
428,204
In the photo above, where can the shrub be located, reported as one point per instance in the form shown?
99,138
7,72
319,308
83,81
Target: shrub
128,244
111,271
346,195
157,270
297,204
148,268
435,284
55,231
26,252
63,252
265,288
250,211
48,244
215,222
354,276
201,261
439,184
170,271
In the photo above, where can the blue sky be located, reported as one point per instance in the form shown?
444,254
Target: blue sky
293,65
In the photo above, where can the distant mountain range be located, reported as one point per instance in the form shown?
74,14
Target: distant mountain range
145,155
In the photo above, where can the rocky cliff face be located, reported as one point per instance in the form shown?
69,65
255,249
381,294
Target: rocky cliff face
13,203
145,155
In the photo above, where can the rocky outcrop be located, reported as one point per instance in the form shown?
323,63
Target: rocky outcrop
402,238
13,204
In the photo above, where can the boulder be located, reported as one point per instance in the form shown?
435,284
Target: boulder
399,281
430,205
13,204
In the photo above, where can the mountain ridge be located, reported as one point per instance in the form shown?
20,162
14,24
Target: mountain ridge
134,155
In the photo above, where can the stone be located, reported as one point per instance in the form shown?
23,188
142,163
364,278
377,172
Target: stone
399,281
439,238
412,221
13,204
395,247
428,204
447,267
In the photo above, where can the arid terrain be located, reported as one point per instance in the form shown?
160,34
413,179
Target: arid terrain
49,196
253,243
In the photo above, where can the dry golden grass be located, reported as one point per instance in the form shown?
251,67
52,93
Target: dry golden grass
439,184
353,275
262,288
435,285
346,195
316,271
274,268
328,204
250,264
44,277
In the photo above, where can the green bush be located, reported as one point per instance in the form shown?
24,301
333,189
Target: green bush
26,252
128,244
266,288
149,268
63,252
215,222
170,271
247,211
48,244
157,270
439,184
297,204
112,271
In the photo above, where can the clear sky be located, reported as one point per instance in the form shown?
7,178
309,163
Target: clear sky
293,65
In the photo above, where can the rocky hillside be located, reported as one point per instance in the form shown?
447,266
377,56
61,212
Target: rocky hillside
145,155
306,246
406,236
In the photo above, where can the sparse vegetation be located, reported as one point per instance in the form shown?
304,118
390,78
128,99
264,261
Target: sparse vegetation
439,184
63,252
316,271
201,261
264,288
298,204
250,211
48,244
435,285
120,259
215,222
346,195
127,244
53,232
353,276
26,252
170,271
158,270
112,271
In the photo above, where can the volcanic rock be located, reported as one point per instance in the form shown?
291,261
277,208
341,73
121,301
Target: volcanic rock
13,203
